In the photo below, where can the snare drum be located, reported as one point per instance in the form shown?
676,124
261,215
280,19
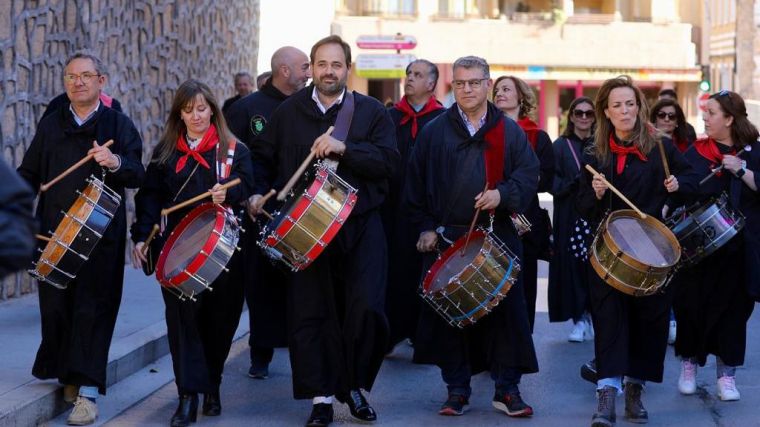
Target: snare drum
308,222
705,229
633,255
198,250
467,282
77,234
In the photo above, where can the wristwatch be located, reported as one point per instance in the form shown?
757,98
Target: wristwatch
740,173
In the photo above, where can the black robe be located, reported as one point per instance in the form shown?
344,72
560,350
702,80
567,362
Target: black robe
445,173
78,322
534,241
631,333
338,330
568,285
17,224
712,304
265,284
200,332
404,262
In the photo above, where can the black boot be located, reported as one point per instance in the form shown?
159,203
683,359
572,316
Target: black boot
212,405
634,409
588,371
358,405
321,415
187,411
605,411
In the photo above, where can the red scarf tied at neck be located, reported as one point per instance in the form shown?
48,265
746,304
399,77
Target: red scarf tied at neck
708,148
623,152
209,141
409,114
531,130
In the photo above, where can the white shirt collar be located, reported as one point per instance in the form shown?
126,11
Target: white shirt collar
323,108
80,121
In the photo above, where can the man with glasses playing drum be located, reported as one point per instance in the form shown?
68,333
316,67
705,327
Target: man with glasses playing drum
78,320
629,309
338,329
470,148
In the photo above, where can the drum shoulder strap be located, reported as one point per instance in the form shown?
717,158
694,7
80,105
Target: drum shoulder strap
345,115
225,160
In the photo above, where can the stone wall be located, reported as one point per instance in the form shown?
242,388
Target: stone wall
149,48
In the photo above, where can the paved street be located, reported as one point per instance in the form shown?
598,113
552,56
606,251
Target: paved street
406,394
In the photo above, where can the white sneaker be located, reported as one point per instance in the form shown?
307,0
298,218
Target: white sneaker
687,381
727,388
576,335
85,412
672,332
588,332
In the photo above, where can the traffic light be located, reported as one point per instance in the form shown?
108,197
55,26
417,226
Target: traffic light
704,85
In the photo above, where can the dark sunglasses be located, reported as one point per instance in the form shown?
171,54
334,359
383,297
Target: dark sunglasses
579,114
662,115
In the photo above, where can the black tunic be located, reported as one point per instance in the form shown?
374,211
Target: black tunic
404,262
630,332
200,333
78,322
17,224
712,305
265,285
338,330
568,286
445,161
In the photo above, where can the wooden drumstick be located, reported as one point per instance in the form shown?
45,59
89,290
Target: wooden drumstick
201,196
616,191
85,159
284,192
41,237
472,224
152,234
664,159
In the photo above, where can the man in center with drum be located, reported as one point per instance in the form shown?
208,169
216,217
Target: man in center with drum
471,144
338,331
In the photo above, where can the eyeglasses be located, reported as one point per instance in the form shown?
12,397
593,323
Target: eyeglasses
474,83
579,114
85,77
662,115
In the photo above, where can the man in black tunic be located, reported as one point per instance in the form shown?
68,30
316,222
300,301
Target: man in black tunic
410,115
338,330
265,285
243,87
78,322
453,158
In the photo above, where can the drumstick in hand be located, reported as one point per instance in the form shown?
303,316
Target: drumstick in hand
472,224
720,168
199,197
616,191
85,159
152,234
284,192
664,159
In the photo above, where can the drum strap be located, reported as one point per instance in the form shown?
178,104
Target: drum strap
572,150
345,114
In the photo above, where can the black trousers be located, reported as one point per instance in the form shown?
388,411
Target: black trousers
339,332
200,332
631,333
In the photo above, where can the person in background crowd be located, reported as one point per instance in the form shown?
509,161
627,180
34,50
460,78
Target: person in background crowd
715,298
416,109
516,99
78,321
265,285
671,94
243,87
262,78
568,274
17,224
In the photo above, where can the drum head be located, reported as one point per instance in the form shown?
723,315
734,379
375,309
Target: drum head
191,239
643,240
452,262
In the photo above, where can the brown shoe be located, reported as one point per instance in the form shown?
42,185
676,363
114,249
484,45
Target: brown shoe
605,411
634,409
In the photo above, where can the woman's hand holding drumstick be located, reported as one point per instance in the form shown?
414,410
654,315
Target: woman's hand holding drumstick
215,191
601,185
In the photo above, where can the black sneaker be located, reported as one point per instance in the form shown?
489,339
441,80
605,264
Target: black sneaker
454,406
512,404
588,371
259,371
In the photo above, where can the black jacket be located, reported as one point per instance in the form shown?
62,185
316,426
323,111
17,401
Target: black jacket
17,225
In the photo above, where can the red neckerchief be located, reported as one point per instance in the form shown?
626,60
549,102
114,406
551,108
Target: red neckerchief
623,152
682,145
708,148
410,114
208,142
494,154
105,99
531,130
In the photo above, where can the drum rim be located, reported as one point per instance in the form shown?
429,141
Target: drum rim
199,259
650,220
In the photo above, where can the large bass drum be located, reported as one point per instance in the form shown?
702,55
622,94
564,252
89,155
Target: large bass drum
198,250
633,255
77,234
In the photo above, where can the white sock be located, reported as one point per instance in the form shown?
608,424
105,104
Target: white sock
322,399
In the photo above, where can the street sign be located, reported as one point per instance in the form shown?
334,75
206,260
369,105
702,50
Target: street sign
383,66
702,101
397,42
